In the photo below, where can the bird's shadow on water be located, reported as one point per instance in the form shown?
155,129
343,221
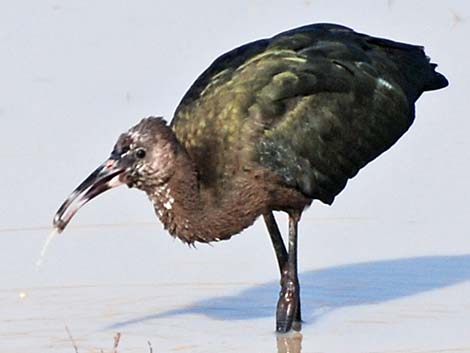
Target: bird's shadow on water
331,288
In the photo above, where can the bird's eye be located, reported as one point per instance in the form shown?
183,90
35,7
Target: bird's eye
140,153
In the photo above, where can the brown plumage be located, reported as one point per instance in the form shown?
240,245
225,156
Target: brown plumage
271,125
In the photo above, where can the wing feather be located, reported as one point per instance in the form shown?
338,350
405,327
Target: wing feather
314,105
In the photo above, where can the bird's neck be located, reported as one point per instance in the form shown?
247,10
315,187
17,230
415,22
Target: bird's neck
192,212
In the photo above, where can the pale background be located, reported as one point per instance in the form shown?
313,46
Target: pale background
386,269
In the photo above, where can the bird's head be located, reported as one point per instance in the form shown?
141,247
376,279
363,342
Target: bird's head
142,157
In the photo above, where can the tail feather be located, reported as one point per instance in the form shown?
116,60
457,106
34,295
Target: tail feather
422,71
436,80
415,64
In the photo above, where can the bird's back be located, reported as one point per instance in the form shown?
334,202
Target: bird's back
313,105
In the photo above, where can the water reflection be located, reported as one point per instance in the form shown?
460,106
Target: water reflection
289,343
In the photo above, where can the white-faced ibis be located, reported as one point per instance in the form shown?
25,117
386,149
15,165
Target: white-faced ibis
269,126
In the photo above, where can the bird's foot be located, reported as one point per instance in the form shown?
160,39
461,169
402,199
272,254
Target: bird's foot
289,343
288,307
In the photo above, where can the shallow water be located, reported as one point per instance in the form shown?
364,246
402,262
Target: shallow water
385,270
213,299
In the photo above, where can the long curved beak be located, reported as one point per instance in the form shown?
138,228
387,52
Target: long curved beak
108,175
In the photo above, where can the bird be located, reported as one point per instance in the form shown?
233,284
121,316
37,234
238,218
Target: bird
269,126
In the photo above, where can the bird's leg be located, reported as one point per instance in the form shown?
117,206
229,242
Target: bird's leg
282,259
288,307
276,238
